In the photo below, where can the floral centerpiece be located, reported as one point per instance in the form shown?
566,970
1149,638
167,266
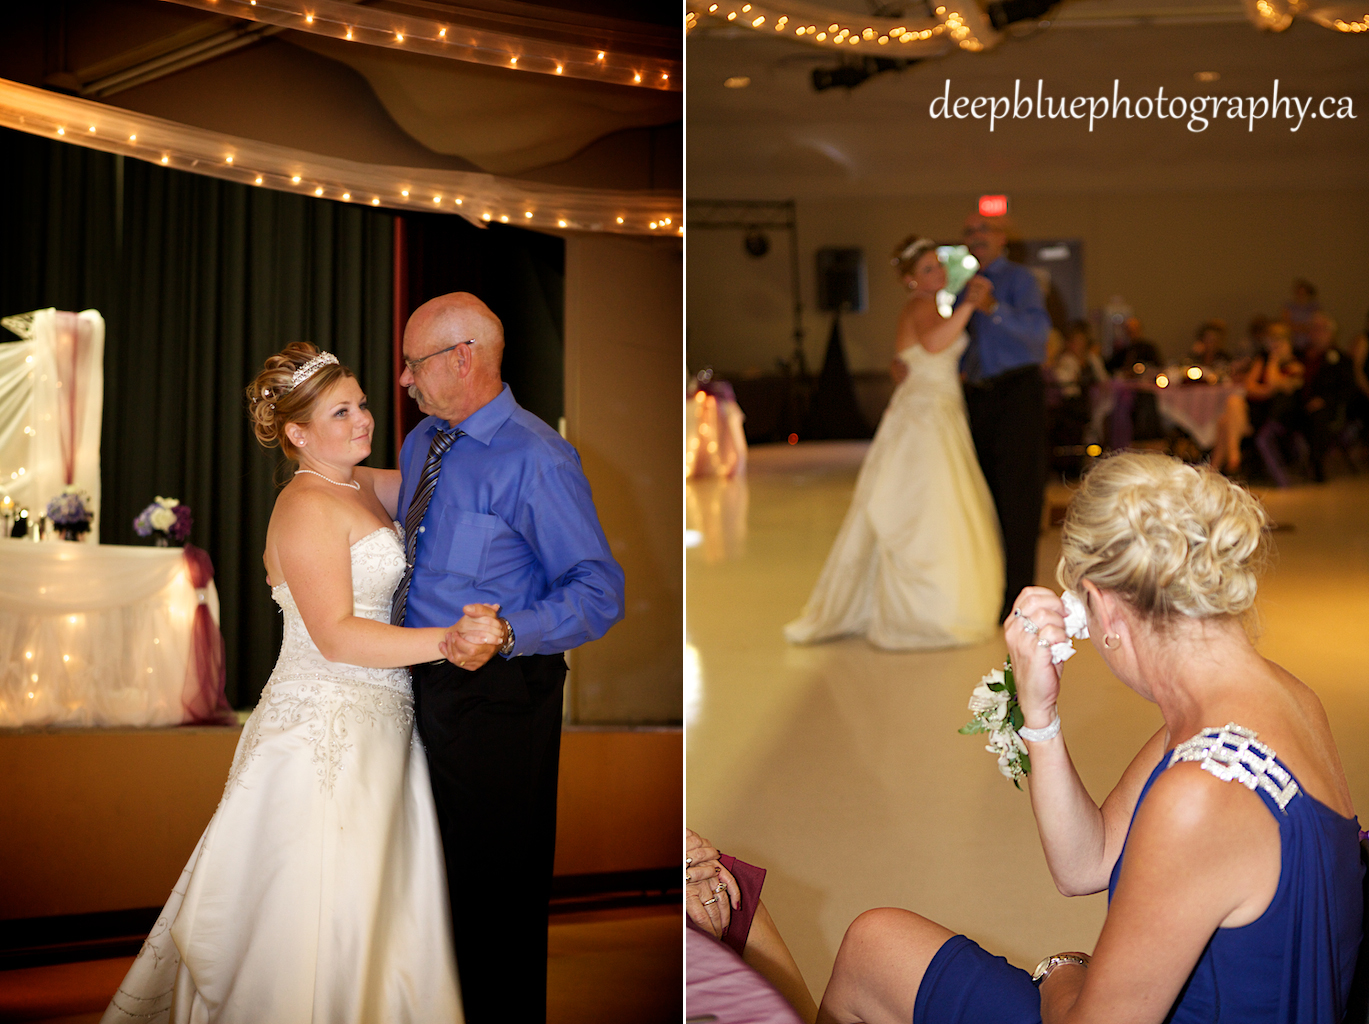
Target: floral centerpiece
166,519
71,513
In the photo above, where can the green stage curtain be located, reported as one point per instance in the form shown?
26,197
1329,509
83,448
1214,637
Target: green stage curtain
521,276
198,280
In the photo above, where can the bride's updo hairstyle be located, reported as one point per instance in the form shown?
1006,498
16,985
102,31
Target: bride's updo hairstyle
909,251
1167,537
272,401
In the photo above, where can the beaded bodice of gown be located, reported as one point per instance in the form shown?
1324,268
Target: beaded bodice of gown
932,373
317,892
377,565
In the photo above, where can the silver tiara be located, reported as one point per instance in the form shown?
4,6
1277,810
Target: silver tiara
912,247
312,367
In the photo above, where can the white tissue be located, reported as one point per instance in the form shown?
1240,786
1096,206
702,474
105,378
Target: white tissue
1076,625
1076,619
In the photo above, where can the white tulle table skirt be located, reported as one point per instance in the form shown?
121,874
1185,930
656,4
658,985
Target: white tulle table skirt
95,634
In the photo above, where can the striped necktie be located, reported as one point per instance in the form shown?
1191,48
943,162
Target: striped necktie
418,508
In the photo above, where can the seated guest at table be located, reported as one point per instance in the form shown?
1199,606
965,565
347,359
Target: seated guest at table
1328,386
723,899
1075,371
1255,342
1142,352
1137,349
1209,347
1271,386
1298,313
1275,375
1229,847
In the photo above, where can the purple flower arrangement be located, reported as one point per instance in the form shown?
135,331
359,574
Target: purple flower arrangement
166,519
71,513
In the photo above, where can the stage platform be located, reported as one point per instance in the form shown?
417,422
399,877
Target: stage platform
99,823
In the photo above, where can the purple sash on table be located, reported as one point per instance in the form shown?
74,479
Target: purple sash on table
203,697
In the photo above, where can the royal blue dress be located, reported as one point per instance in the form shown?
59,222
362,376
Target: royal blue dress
1292,965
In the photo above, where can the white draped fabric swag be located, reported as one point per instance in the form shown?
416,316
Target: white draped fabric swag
481,199
51,402
95,634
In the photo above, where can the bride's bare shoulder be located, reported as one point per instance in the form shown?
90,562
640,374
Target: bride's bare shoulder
300,507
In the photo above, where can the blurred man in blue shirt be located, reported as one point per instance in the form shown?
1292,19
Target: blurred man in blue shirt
498,511
1005,395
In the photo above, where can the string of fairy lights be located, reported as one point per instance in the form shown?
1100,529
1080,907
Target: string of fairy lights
480,198
514,50
1278,15
955,24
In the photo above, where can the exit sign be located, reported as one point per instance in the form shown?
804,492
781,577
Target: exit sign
993,206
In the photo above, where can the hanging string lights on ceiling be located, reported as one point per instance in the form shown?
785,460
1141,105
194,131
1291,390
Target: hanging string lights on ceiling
551,48
1339,15
957,23
479,198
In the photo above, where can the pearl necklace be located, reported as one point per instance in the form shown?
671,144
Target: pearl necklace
336,483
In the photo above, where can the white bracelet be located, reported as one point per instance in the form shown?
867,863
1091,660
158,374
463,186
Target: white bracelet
1041,735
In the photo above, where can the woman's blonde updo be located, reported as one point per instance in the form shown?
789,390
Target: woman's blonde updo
272,402
1165,536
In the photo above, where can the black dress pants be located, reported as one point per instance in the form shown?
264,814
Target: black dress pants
1008,424
493,740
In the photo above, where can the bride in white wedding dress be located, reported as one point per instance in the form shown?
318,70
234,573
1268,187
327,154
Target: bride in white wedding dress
317,892
918,562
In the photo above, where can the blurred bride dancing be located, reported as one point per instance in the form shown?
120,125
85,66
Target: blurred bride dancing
918,562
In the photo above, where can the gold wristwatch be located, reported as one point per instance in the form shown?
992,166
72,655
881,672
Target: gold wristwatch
1044,968
507,647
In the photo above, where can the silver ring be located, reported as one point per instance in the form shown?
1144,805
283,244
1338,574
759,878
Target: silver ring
719,887
709,903
689,861
1029,626
1043,642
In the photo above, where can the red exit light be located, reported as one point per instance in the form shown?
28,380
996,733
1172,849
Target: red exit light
993,206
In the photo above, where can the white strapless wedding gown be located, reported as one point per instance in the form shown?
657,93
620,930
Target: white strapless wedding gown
317,892
918,562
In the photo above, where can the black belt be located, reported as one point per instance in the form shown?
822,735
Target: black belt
1006,377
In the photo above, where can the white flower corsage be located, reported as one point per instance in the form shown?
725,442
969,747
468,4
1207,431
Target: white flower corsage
994,703
994,700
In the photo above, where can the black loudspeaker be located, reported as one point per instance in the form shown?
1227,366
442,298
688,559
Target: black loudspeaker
841,281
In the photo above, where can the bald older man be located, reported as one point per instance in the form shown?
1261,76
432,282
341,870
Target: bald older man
497,511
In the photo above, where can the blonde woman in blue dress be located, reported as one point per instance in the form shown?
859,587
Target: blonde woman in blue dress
918,562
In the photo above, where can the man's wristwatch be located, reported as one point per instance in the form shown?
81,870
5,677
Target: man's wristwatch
1044,968
507,647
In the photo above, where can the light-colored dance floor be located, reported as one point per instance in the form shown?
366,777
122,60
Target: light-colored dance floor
838,767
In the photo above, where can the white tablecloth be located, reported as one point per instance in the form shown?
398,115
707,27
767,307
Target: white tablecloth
95,634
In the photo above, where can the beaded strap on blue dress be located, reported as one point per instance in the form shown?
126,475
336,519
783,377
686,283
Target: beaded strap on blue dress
1293,964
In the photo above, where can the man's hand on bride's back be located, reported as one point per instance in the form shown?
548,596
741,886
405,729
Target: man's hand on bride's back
475,637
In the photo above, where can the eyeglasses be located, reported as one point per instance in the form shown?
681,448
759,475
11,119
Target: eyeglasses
414,364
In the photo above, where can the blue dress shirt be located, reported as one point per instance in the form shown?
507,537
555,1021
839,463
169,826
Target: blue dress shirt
512,523
1015,333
